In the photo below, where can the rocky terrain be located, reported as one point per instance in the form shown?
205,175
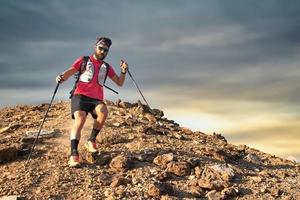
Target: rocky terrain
142,155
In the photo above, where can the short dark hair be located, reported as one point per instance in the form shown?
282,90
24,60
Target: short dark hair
105,40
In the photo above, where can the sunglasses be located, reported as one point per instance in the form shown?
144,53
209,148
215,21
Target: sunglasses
102,49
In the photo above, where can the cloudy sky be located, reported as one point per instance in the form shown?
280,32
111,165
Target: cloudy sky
230,67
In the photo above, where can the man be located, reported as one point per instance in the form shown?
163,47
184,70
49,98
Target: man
88,96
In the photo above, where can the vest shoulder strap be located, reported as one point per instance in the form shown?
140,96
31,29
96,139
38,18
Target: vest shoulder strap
107,66
85,59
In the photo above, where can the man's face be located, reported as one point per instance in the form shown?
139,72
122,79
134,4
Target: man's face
101,51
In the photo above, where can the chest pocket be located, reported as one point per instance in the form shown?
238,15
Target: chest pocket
103,71
88,73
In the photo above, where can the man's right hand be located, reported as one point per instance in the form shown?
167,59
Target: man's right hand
59,79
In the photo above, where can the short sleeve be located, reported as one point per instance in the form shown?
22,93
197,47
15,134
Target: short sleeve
111,72
77,63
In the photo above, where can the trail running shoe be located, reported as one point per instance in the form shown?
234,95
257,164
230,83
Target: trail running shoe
91,146
74,161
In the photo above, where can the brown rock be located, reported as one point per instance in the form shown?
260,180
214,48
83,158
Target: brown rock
220,155
226,173
151,118
167,197
124,104
105,179
154,190
90,158
219,137
163,160
163,176
210,184
120,163
157,189
158,113
152,131
103,159
198,171
253,159
178,136
276,192
118,180
194,188
8,153
187,131
44,134
216,177
214,195
13,197
146,156
228,193
4,129
179,168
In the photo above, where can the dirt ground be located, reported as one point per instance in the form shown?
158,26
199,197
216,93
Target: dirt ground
142,155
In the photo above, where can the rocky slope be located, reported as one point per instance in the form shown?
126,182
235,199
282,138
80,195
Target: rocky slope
142,155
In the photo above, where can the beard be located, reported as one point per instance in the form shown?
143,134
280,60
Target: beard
100,56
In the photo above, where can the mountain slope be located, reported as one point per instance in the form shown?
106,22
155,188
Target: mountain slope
142,155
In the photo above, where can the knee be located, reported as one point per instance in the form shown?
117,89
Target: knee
80,118
102,114
105,111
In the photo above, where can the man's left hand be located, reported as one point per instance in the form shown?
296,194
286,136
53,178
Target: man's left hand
124,66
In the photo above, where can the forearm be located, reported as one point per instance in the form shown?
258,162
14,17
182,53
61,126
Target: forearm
69,72
121,79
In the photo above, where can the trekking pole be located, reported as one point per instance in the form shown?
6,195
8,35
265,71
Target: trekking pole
137,87
32,148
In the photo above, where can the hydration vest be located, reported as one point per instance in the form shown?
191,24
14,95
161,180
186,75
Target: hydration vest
86,73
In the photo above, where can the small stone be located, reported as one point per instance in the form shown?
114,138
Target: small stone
254,159
12,197
256,179
198,171
167,197
179,168
178,136
214,195
163,176
163,160
124,104
105,179
107,193
118,180
229,193
154,190
116,124
4,129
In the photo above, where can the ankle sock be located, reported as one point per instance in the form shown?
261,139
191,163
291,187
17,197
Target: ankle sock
94,134
74,147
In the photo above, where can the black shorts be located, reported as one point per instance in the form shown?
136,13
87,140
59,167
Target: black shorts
84,103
